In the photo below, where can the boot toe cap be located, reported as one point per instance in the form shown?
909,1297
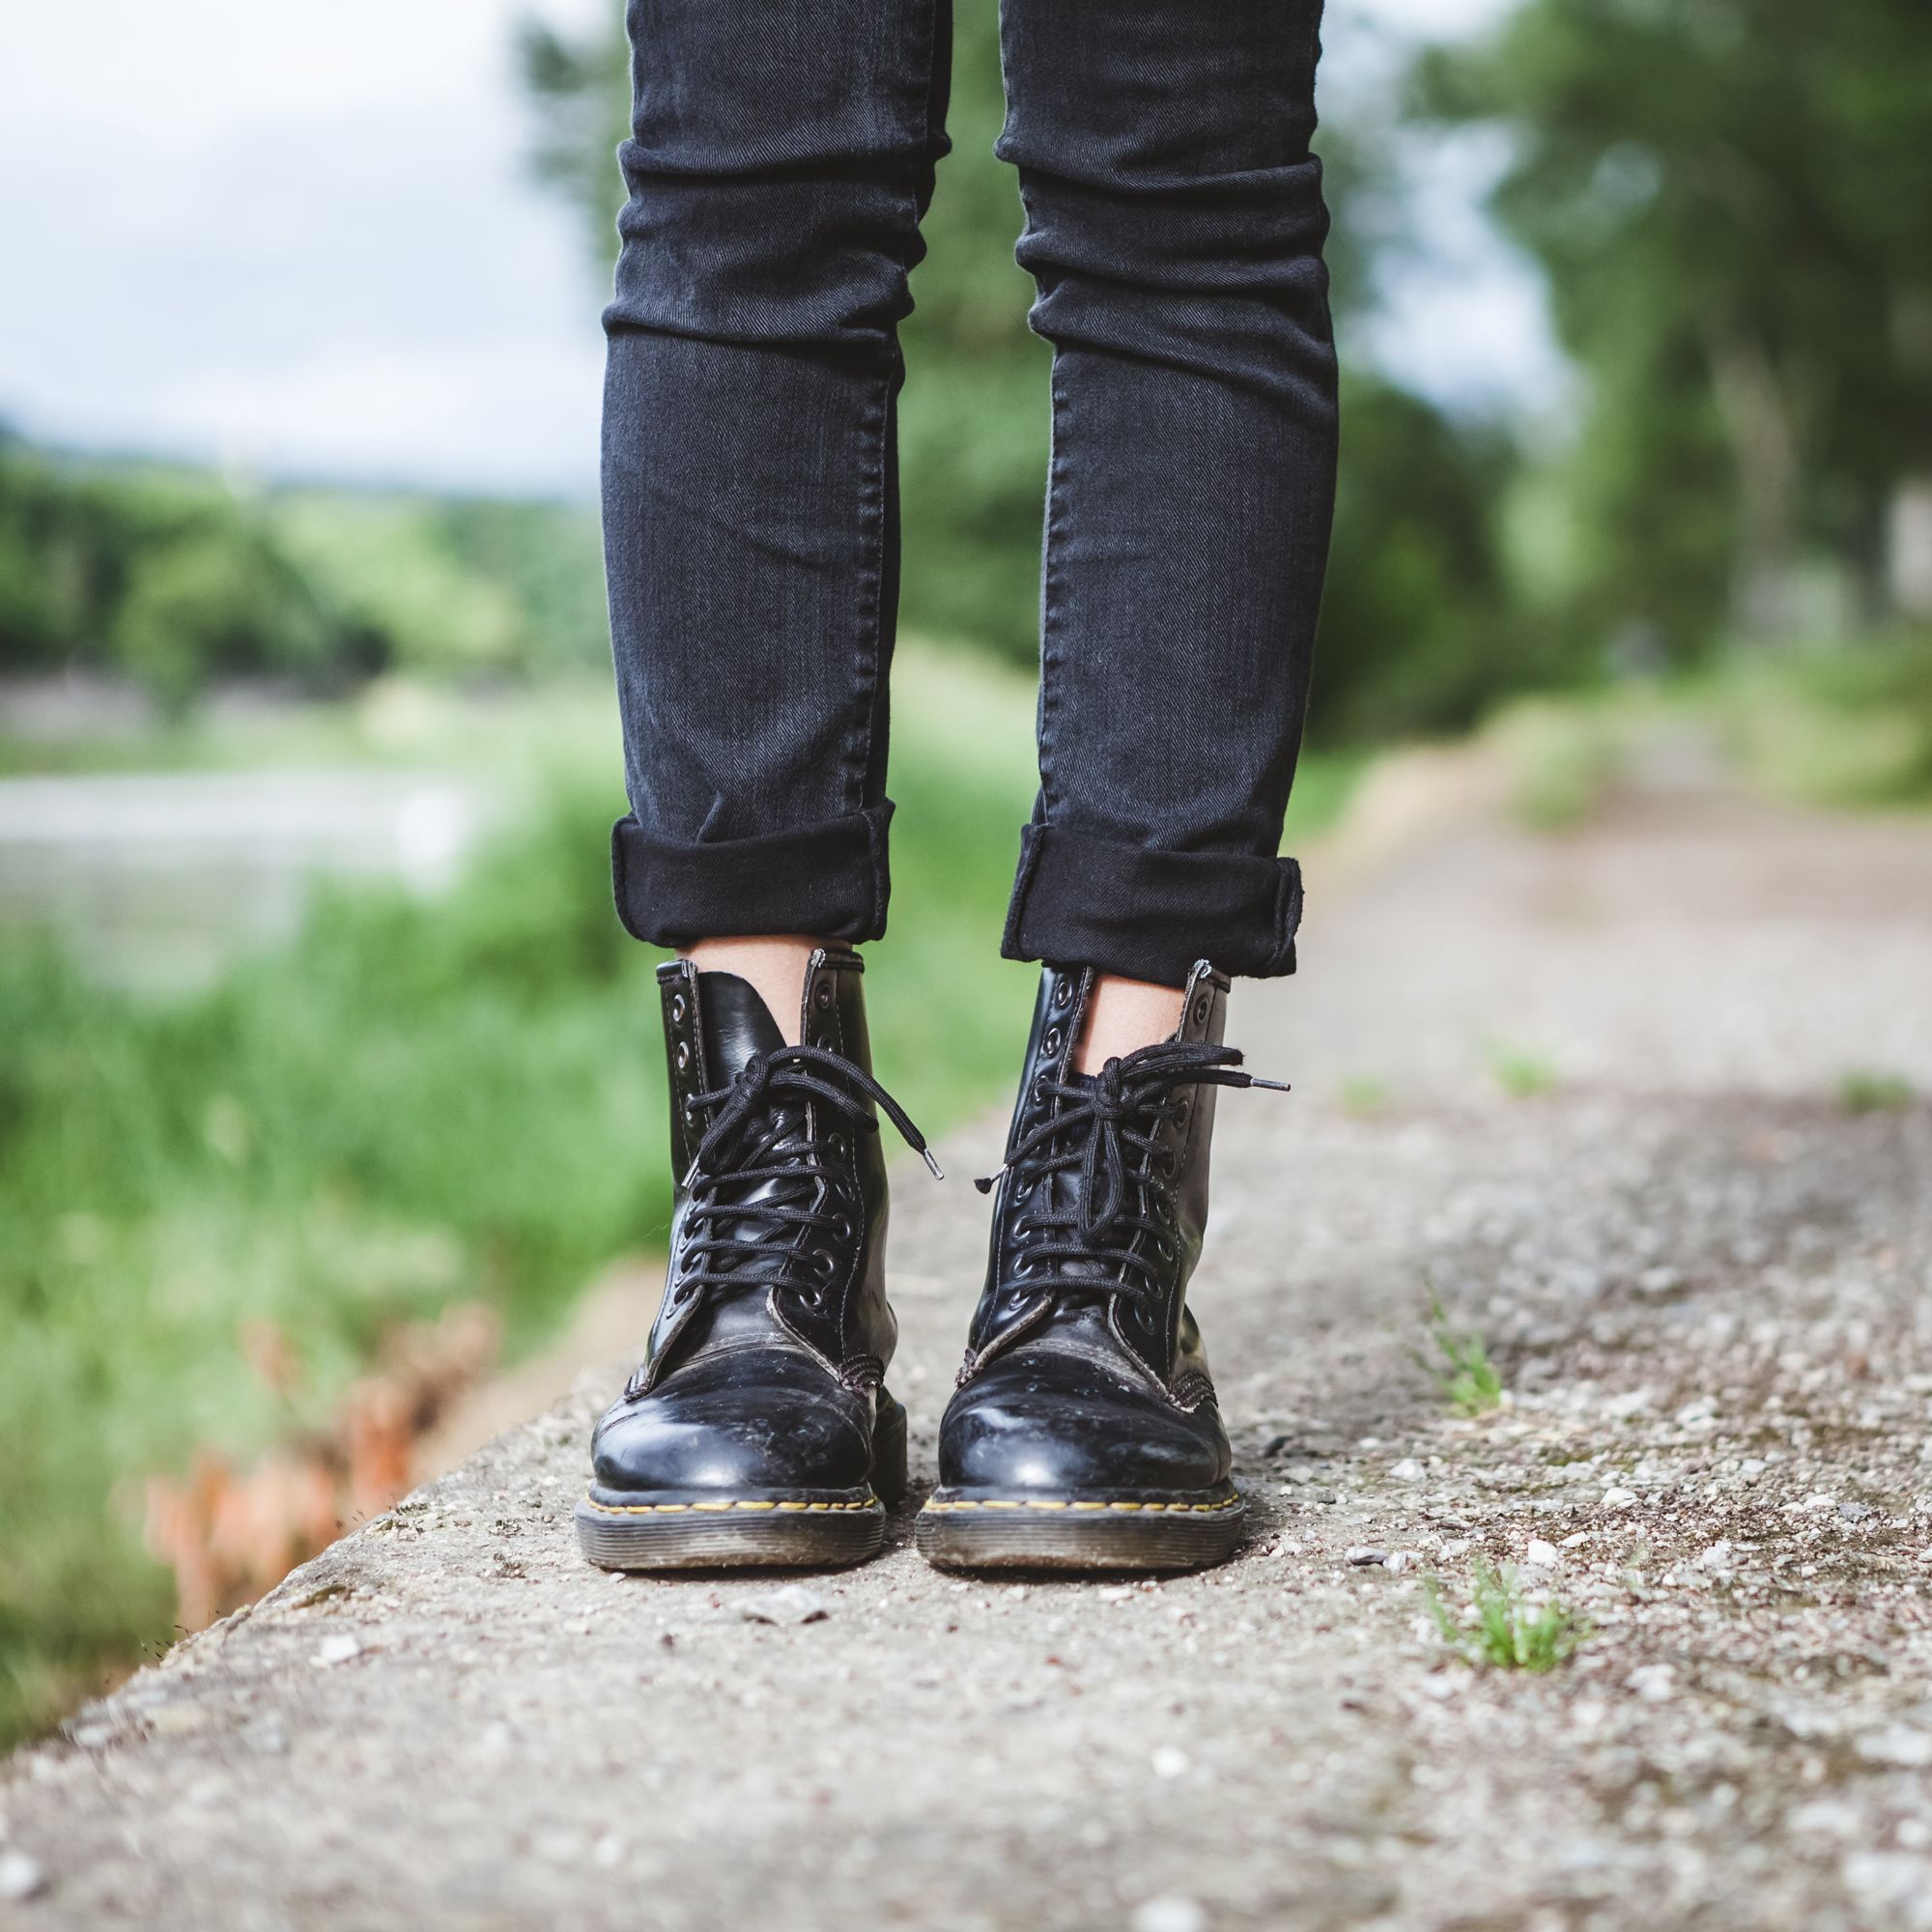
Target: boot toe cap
1041,1421
747,1422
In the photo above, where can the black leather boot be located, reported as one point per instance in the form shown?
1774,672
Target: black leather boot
1084,1432
758,1428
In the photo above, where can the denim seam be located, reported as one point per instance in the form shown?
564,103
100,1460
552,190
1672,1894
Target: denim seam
1013,940
1050,599
620,895
876,427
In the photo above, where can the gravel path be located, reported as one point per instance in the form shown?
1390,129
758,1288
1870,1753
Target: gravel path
1705,1281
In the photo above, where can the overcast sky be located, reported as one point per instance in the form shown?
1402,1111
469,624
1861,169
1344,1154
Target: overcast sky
302,239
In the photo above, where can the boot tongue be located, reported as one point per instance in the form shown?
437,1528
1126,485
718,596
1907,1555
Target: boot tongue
737,1024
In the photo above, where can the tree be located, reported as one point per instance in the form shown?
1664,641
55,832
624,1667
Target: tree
1729,198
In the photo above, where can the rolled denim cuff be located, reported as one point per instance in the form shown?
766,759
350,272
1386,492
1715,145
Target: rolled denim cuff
1084,901
825,881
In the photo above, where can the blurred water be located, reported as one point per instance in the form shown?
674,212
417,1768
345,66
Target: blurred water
158,880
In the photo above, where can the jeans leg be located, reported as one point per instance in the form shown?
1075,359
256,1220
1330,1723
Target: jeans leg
781,157
1174,227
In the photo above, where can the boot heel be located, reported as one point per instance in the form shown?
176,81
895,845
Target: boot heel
888,1450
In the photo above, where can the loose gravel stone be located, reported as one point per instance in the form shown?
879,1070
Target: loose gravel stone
20,1878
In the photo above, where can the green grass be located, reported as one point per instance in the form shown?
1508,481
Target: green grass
415,1103
1522,1073
1365,1096
1848,723
1458,1361
1561,756
1501,1628
1865,1091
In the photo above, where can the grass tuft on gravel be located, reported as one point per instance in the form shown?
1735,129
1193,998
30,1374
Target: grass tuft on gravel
1865,1091
1523,1075
1502,1627
1458,1361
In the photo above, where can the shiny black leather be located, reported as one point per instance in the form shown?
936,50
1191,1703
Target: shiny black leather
765,1366
1102,1391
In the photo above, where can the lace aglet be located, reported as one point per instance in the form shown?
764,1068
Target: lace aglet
938,1171
1273,1086
986,1182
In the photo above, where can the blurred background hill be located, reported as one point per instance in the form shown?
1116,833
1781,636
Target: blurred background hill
315,1024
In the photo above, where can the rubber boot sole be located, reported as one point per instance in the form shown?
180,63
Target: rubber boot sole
966,1529
790,1529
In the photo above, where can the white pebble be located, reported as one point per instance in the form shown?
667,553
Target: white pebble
1617,1499
1545,1556
338,1647
1654,1683
1896,1744
1408,1470
20,1878
792,1604
1169,1762
1170,1915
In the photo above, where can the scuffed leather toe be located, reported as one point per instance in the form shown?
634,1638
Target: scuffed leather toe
746,1420
1043,1421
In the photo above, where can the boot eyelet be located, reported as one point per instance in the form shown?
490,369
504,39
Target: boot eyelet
1039,1087
677,1009
690,1113
835,1145
843,1228
683,1056
1201,1010
822,996
826,1263
825,1043
1050,1045
1023,1264
1063,994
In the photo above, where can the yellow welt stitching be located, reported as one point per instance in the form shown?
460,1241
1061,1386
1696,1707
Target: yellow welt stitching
1079,1503
731,1503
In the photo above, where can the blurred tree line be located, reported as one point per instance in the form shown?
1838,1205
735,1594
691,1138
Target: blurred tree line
175,578
1732,202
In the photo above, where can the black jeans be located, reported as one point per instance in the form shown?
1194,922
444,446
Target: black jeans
782,157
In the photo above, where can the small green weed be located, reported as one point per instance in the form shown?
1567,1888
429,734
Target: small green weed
1862,1091
1501,1628
1521,1073
1365,1096
1460,1365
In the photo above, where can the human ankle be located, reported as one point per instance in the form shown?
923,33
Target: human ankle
1122,1015
773,965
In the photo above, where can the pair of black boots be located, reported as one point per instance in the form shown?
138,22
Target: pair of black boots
758,1430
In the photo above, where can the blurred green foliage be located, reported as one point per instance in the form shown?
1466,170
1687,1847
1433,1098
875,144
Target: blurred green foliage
176,578
1728,199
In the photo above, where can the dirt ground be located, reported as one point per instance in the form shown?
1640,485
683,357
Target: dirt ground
1590,1090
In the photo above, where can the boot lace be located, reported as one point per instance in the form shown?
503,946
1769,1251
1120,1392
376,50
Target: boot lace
750,1143
1107,1129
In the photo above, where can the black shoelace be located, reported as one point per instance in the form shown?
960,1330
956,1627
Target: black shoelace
748,1143
1108,1128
